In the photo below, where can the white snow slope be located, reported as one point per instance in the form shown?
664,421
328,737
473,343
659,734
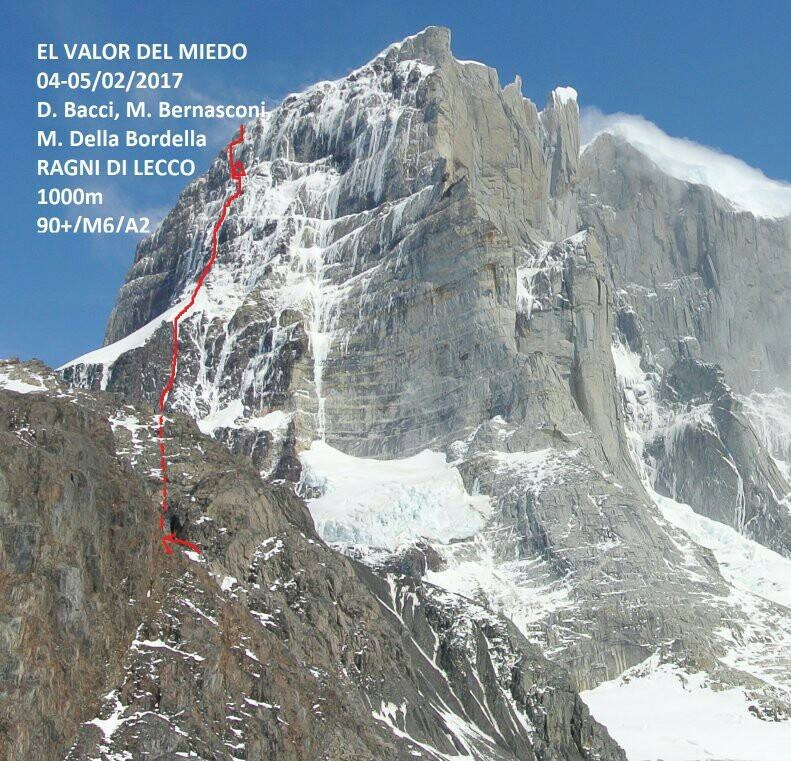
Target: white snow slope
658,711
387,503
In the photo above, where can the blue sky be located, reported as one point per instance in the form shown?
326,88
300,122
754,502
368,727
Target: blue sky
714,72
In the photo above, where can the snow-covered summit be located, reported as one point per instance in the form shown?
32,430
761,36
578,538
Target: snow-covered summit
564,95
745,187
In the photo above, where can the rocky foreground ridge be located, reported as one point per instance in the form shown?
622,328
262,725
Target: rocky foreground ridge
268,644
510,378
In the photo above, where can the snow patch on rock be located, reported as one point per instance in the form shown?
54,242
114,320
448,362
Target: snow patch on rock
388,503
107,355
770,414
20,386
564,95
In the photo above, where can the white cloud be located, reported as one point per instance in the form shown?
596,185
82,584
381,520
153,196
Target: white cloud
746,188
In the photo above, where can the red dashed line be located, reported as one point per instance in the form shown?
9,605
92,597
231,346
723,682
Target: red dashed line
237,173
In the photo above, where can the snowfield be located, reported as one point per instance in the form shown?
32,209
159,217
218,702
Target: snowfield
387,503
659,712
656,710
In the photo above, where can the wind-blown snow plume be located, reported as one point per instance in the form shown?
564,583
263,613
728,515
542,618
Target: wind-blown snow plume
746,188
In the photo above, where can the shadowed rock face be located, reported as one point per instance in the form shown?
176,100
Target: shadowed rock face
76,561
267,645
422,259
711,458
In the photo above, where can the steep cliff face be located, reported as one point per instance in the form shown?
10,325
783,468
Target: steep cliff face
702,300
423,260
691,265
366,280
710,457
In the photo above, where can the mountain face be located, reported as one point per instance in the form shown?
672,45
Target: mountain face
530,396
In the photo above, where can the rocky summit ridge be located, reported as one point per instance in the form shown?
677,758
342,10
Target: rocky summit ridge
535,399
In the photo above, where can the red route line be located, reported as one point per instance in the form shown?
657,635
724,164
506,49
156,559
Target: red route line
237,173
